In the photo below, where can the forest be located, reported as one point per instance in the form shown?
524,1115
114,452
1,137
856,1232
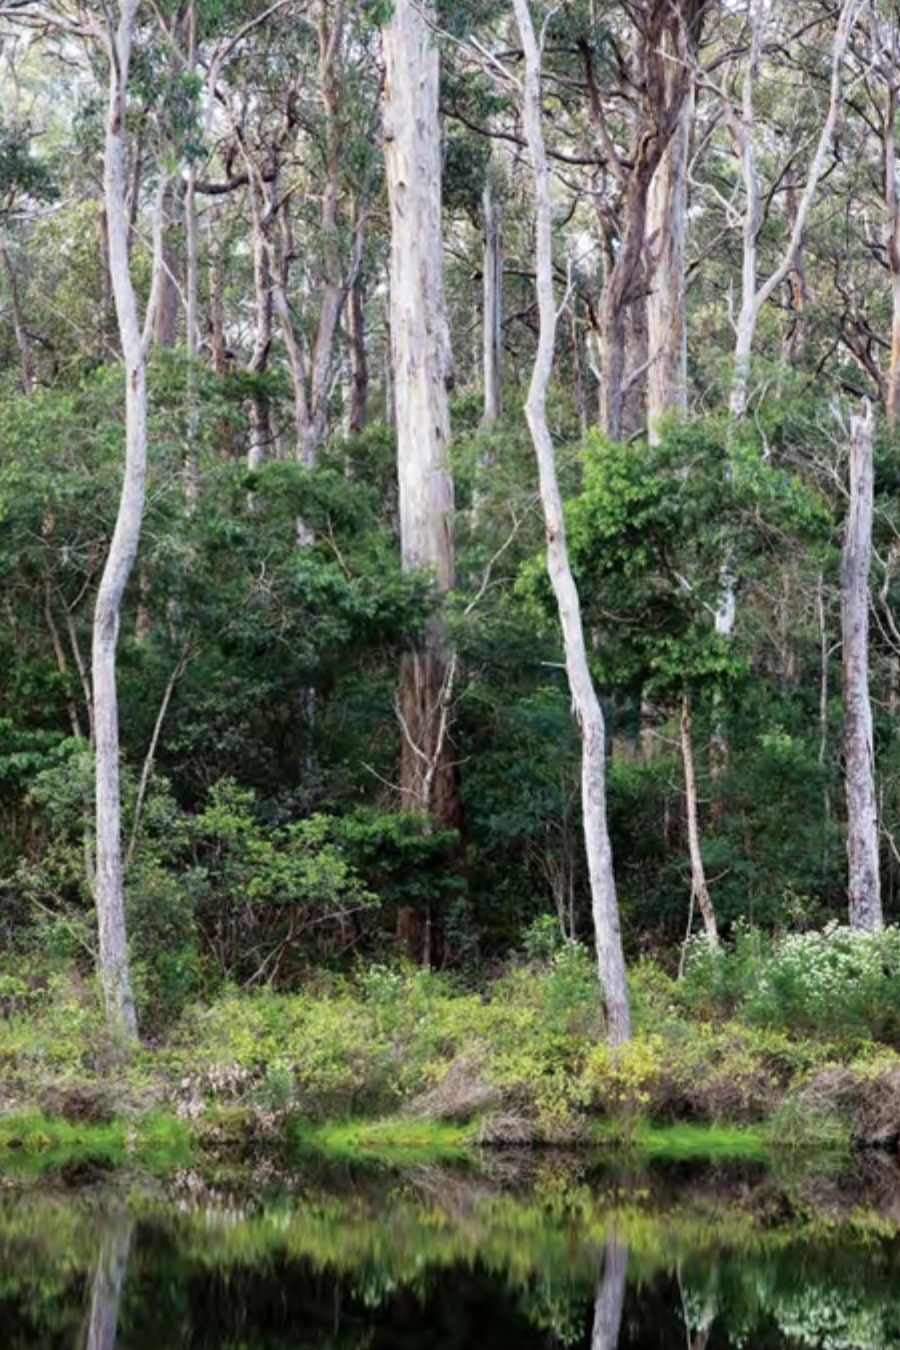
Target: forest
451,549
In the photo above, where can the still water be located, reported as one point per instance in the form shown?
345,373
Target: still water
542,1256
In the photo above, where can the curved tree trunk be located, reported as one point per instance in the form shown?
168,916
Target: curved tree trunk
113,950
699,887
610,958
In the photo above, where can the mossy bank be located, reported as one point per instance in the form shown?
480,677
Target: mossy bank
517,1061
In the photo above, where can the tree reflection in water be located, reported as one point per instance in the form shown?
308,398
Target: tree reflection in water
610,1296
108,1278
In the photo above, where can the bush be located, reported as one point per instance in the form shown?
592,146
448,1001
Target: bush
831,984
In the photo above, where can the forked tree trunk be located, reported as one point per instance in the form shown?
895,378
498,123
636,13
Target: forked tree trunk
864,885
660,84
754,295
604,904
421,365
113,949
699,887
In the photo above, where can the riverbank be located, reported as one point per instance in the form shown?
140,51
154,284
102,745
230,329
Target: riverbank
396,1063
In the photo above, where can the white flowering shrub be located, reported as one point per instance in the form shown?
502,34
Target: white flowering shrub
835,983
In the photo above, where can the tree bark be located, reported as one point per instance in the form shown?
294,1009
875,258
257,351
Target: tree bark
663,83
113,949
666,321
492,304
864,885
23,342
610,958
754,295
421,364
699,888
358,415
165,320
260,412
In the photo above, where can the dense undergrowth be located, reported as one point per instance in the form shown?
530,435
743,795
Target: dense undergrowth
788,1032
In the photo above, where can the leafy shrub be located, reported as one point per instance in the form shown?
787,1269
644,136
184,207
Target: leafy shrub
835,983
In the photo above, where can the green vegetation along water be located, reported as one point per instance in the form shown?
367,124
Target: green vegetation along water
444,1258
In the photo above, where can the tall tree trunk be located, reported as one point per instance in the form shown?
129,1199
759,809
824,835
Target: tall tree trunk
260,412
666,322
23,342
659,85
892,241
421,365
165,321
864,885
113,949
492,304
610,958
754,295
358,415
192,296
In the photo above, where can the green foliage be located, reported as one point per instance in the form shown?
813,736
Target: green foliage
835,984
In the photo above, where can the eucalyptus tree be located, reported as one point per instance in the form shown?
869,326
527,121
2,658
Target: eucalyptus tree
604,904
298,93
740,115
115,35
422,363
864,881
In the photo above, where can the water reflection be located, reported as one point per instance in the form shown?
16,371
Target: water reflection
442,1261
109,1277
610,1298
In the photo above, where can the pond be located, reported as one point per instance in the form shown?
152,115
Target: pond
532,1253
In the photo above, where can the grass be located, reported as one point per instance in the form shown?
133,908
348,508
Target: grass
687,1143
35,1142
394,1141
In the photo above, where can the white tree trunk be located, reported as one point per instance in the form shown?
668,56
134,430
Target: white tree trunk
605,909
610,1298
699,887
864,886
421,367
754,296
113,950
492,311
108,1283
666,326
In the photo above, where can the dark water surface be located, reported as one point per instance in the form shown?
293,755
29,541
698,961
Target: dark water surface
555,1255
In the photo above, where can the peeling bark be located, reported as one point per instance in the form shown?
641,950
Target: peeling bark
421,364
